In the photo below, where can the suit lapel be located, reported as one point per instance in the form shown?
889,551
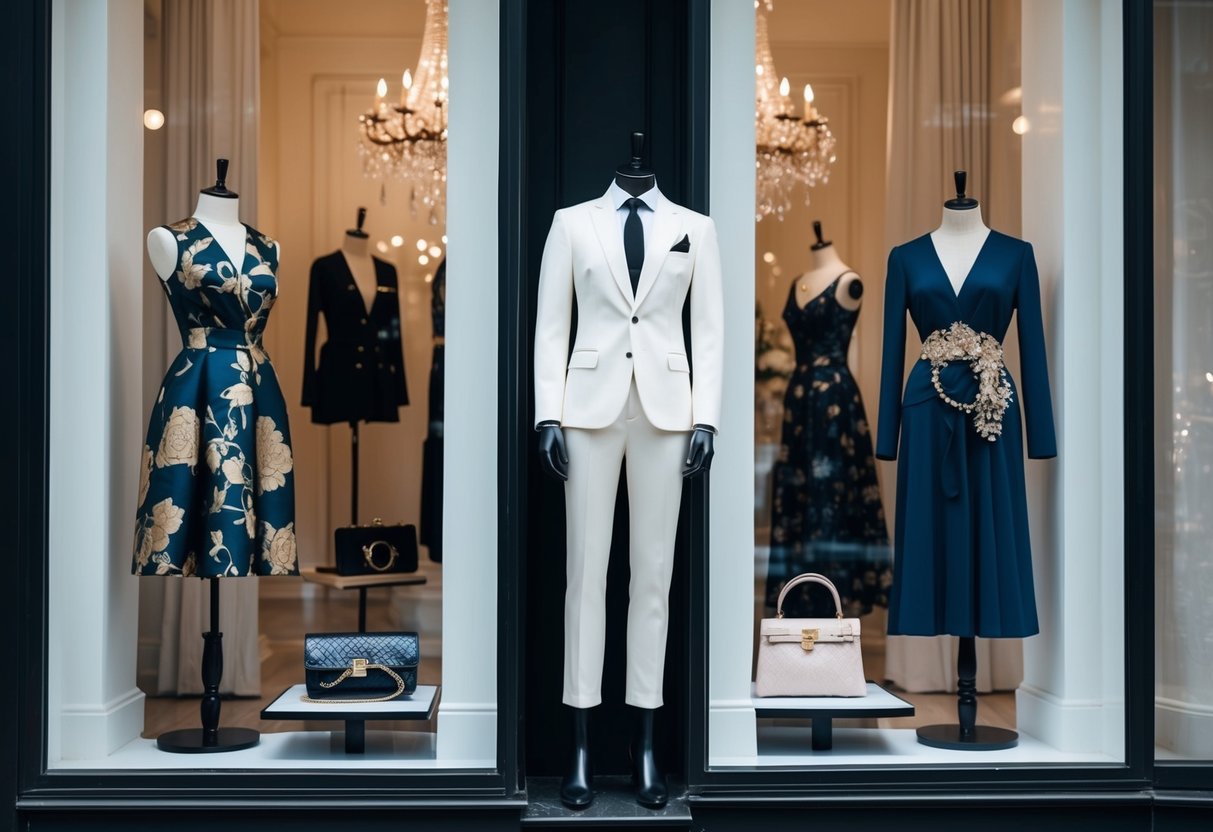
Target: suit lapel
666,224
606,226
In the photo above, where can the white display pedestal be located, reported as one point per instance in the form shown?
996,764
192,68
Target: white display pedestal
823,710
290,705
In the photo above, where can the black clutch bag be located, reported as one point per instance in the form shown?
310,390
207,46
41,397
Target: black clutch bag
375,549
356,668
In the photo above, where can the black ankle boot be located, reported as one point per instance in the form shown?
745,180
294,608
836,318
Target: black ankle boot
651,791
577,787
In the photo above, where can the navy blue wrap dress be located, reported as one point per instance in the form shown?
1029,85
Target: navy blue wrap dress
962,556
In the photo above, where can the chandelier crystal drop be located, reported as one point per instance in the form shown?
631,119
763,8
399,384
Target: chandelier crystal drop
406,142
791,151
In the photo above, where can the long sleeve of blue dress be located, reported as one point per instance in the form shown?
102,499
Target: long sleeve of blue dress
892,369
1034,369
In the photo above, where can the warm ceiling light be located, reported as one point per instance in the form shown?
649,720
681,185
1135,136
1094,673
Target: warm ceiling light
382,246
768,257
421,245
435,251
1021,125
153,119
423,260
397,241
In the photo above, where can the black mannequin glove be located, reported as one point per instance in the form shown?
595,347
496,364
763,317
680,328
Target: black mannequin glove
553,457
700,452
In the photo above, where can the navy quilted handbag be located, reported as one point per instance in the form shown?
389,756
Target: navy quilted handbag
360,667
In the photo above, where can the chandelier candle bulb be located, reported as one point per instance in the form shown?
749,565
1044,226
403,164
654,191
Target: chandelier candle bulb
810,112
380,94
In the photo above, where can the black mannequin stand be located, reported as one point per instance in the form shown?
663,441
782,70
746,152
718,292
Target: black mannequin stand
967,735
354,513
210,737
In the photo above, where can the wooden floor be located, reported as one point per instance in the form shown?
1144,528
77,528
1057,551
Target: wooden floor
284,621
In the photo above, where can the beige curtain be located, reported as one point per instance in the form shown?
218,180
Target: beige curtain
953,79
210,90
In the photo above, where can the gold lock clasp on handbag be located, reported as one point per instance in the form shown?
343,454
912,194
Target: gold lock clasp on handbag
358,668
808,637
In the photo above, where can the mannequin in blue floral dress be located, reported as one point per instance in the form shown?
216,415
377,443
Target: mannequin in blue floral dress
217,485
827,515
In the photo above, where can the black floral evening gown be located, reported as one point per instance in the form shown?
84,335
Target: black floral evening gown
827,515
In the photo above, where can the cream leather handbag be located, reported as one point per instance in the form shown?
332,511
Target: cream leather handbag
810,656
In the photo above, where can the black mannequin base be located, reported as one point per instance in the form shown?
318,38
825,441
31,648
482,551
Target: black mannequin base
980,738
190,740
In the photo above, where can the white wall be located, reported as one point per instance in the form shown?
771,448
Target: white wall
1072,695
95,374
467,717
731,724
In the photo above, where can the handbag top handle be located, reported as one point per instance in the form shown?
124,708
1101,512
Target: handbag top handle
809,578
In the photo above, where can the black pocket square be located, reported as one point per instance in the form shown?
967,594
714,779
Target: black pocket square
683,245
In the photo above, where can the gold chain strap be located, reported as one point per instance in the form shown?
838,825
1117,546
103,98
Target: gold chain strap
358,668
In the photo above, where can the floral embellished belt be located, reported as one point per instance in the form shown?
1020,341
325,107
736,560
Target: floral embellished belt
983,352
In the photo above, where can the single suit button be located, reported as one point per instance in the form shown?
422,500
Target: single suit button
361,348
358,366
363,322
635,320
629,355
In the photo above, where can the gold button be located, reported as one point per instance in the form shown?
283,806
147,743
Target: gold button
361,348
358,366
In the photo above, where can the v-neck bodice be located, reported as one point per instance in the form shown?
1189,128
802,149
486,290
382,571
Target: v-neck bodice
821,329
1001,282
210,294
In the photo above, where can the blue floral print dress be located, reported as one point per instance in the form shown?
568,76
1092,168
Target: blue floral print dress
827,516
216,485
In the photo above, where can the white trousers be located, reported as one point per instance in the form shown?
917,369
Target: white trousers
654,461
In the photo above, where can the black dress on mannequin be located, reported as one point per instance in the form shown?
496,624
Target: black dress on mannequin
431,456
360,375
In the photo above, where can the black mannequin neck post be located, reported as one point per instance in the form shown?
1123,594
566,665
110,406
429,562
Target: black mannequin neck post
633,176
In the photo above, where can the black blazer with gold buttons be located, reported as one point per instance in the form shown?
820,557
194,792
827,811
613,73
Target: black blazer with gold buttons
360,375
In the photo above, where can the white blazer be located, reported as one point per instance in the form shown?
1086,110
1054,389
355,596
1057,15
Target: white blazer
619,335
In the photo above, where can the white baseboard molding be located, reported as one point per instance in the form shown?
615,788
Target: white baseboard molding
1185,728
1065,724
95,731
732,728
467,731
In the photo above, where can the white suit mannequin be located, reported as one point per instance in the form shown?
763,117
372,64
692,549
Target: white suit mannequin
633,392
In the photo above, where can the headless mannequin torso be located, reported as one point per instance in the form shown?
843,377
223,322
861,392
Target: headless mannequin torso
356,251
958,241
826,266
221,216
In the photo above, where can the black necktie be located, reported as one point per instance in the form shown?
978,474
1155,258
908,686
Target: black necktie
633,241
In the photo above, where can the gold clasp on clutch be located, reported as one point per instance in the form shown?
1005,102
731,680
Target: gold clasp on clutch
808,638
358,668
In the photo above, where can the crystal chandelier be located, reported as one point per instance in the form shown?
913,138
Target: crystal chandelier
791,151
407,142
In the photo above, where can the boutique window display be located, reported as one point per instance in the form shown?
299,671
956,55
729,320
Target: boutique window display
244,466
908,524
